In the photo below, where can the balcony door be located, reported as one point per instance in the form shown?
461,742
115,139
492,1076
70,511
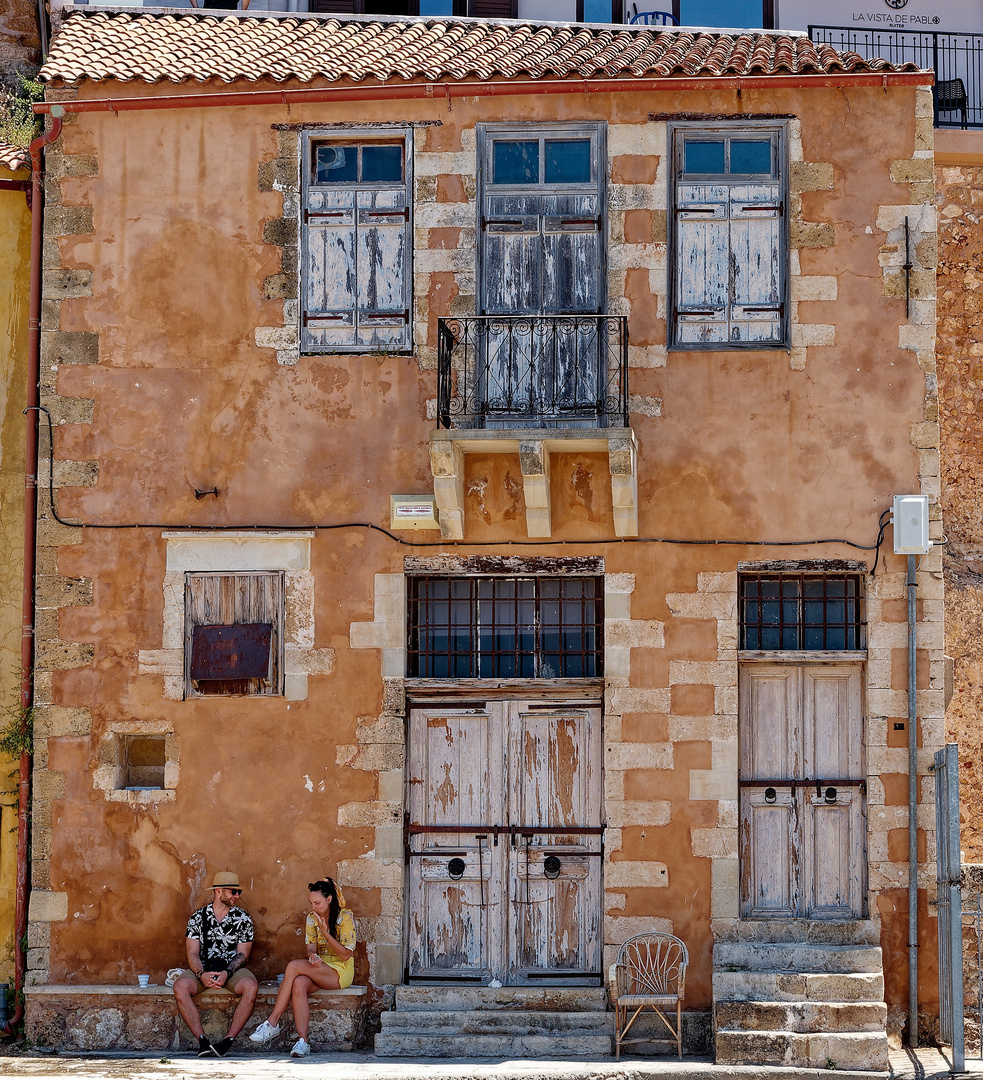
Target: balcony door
542,275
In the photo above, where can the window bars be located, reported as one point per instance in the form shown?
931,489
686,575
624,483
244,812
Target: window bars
802,612
507,627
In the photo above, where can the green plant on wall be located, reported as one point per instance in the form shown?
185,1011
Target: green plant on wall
18,123
17,732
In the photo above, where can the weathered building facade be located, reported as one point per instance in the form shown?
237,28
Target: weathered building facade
641,328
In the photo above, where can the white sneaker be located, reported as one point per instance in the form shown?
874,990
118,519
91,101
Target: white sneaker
264,1033
300,1049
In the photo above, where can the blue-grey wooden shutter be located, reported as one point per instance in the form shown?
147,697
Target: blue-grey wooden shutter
702,263
755,232
356,287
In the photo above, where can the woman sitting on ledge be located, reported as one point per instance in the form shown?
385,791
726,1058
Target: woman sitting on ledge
330,964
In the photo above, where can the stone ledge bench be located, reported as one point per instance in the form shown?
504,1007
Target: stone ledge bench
146,1018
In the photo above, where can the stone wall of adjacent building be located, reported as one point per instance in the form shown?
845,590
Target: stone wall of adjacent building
960,363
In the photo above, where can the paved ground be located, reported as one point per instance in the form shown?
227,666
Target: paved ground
923,1065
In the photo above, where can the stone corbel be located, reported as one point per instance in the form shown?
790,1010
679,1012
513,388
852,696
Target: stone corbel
447,466
534,461
623,463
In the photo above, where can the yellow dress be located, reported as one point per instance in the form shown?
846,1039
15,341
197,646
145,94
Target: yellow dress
345,934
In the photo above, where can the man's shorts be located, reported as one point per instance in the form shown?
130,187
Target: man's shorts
230,983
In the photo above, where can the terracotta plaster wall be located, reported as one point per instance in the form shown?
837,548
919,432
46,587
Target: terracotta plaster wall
15,255
161,268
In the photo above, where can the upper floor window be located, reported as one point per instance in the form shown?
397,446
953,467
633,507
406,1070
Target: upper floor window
356,242
802,612
730,236
505,627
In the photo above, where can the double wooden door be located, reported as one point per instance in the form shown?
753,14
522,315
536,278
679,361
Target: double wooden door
505,843
802,791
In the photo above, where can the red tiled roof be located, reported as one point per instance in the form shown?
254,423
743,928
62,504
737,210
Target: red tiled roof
14,157
155,47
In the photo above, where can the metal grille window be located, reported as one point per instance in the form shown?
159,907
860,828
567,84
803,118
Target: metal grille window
505,628
802,612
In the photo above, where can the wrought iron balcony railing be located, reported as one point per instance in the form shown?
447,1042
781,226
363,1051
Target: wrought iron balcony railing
956,59
543,371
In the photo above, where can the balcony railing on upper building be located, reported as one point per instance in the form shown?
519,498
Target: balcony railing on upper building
956,59
532,371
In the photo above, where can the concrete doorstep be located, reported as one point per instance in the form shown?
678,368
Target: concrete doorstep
923,1064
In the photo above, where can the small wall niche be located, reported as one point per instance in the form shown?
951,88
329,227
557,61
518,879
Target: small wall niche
141,762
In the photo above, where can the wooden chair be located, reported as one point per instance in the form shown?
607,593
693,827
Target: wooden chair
650,971
950,96
655,18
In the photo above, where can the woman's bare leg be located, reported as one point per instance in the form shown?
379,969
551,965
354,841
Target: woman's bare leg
294,969
314,979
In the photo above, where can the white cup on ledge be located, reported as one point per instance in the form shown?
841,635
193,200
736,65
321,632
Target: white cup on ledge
143,980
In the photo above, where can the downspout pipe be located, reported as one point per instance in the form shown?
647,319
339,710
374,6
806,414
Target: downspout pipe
912,808
30,533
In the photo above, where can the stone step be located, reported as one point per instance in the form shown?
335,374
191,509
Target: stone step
795,956
847,932
853,1050
533,998
404,1044
795,986
513,1022
801,1016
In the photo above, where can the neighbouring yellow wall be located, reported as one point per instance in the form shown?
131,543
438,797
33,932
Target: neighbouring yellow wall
15,263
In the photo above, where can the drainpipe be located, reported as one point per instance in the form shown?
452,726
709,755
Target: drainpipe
30,531
912,811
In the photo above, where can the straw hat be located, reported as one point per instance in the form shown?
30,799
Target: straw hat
225,880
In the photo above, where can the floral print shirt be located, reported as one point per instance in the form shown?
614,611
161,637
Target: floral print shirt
224,936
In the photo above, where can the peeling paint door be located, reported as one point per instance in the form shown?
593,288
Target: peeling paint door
555,876
802,791
497,888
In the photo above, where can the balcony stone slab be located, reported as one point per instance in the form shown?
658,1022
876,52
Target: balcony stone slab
533,446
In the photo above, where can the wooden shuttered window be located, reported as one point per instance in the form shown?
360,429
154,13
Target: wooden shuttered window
730,251
234,634
357,243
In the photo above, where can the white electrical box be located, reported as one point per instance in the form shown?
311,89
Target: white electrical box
911,525
412,512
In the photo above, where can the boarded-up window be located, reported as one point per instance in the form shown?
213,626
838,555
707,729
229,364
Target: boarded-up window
356,243
233,634
730,251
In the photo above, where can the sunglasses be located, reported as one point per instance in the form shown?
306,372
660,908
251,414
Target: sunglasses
235,892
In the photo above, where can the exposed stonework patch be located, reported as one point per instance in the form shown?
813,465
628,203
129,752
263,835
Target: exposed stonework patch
283,174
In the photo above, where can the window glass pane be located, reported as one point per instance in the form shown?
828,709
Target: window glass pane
436,7
721,13
568,161
597,11
750,156
382,164
515,162
335,164
704,156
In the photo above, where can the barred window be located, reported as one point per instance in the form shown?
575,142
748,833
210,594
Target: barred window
802,611
505,628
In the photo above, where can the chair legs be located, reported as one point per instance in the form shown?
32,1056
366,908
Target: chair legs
622,1024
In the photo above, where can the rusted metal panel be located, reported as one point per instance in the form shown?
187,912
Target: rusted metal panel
232,652
802,791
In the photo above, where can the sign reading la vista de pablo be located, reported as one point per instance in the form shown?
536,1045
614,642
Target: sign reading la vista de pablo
940,16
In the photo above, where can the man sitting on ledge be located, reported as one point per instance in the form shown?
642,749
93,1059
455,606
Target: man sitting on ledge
219,940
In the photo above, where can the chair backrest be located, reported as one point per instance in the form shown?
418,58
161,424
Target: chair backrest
654,964
655,18
950,94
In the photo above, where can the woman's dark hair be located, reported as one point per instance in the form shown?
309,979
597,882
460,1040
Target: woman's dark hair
326,887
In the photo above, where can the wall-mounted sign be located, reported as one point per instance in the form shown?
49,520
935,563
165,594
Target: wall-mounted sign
944,16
